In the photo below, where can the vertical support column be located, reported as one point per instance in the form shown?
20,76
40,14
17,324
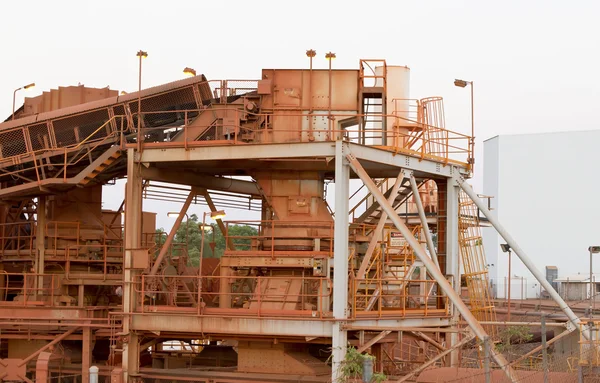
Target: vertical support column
86,355
40,245
133,217
340,260
224,287
453,260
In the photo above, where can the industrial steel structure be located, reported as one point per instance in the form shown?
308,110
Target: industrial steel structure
83,285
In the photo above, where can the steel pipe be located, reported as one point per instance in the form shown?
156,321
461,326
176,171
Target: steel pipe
521,254
434,271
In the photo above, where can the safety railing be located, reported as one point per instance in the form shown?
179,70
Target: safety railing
230,125
589,348
17,239
62,237
363,204
222,89
50,148
235,295
52,161
26,289
99,255
437,144
397,298
280,238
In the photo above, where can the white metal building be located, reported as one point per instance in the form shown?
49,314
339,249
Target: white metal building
576,287
546,190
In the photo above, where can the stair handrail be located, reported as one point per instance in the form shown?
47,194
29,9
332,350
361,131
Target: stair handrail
359,203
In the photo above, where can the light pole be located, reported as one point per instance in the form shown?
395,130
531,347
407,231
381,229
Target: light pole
311,53
592,250
462,84
506,248
329,56
219,214
15,96
142,55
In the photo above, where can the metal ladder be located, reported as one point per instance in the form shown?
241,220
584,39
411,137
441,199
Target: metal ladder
474,262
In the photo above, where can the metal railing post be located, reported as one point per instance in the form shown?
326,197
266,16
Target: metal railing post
544,348
486,360
259,295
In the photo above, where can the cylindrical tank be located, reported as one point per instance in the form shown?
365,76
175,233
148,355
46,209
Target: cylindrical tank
398,89
398,94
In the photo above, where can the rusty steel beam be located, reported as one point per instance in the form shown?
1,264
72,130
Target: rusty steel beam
430,340
55,341
165,247
373,340
41,367
434,271
38,336
539,348
220,223
150,343
86,355
133,241
411,328
202,181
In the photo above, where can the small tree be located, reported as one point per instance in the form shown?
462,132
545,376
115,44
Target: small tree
511,336
352,367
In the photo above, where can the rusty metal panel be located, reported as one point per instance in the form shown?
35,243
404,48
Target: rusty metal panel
286,127
264,86
140,259
291,89
279,294
279,359
22,348
11,370
344,90
64,97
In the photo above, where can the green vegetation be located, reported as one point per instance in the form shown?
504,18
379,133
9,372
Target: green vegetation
511,336
352,368
189,231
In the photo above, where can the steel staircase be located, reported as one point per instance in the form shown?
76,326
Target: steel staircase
394,270
113,156
373,211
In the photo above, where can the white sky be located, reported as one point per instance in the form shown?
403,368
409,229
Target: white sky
534,63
